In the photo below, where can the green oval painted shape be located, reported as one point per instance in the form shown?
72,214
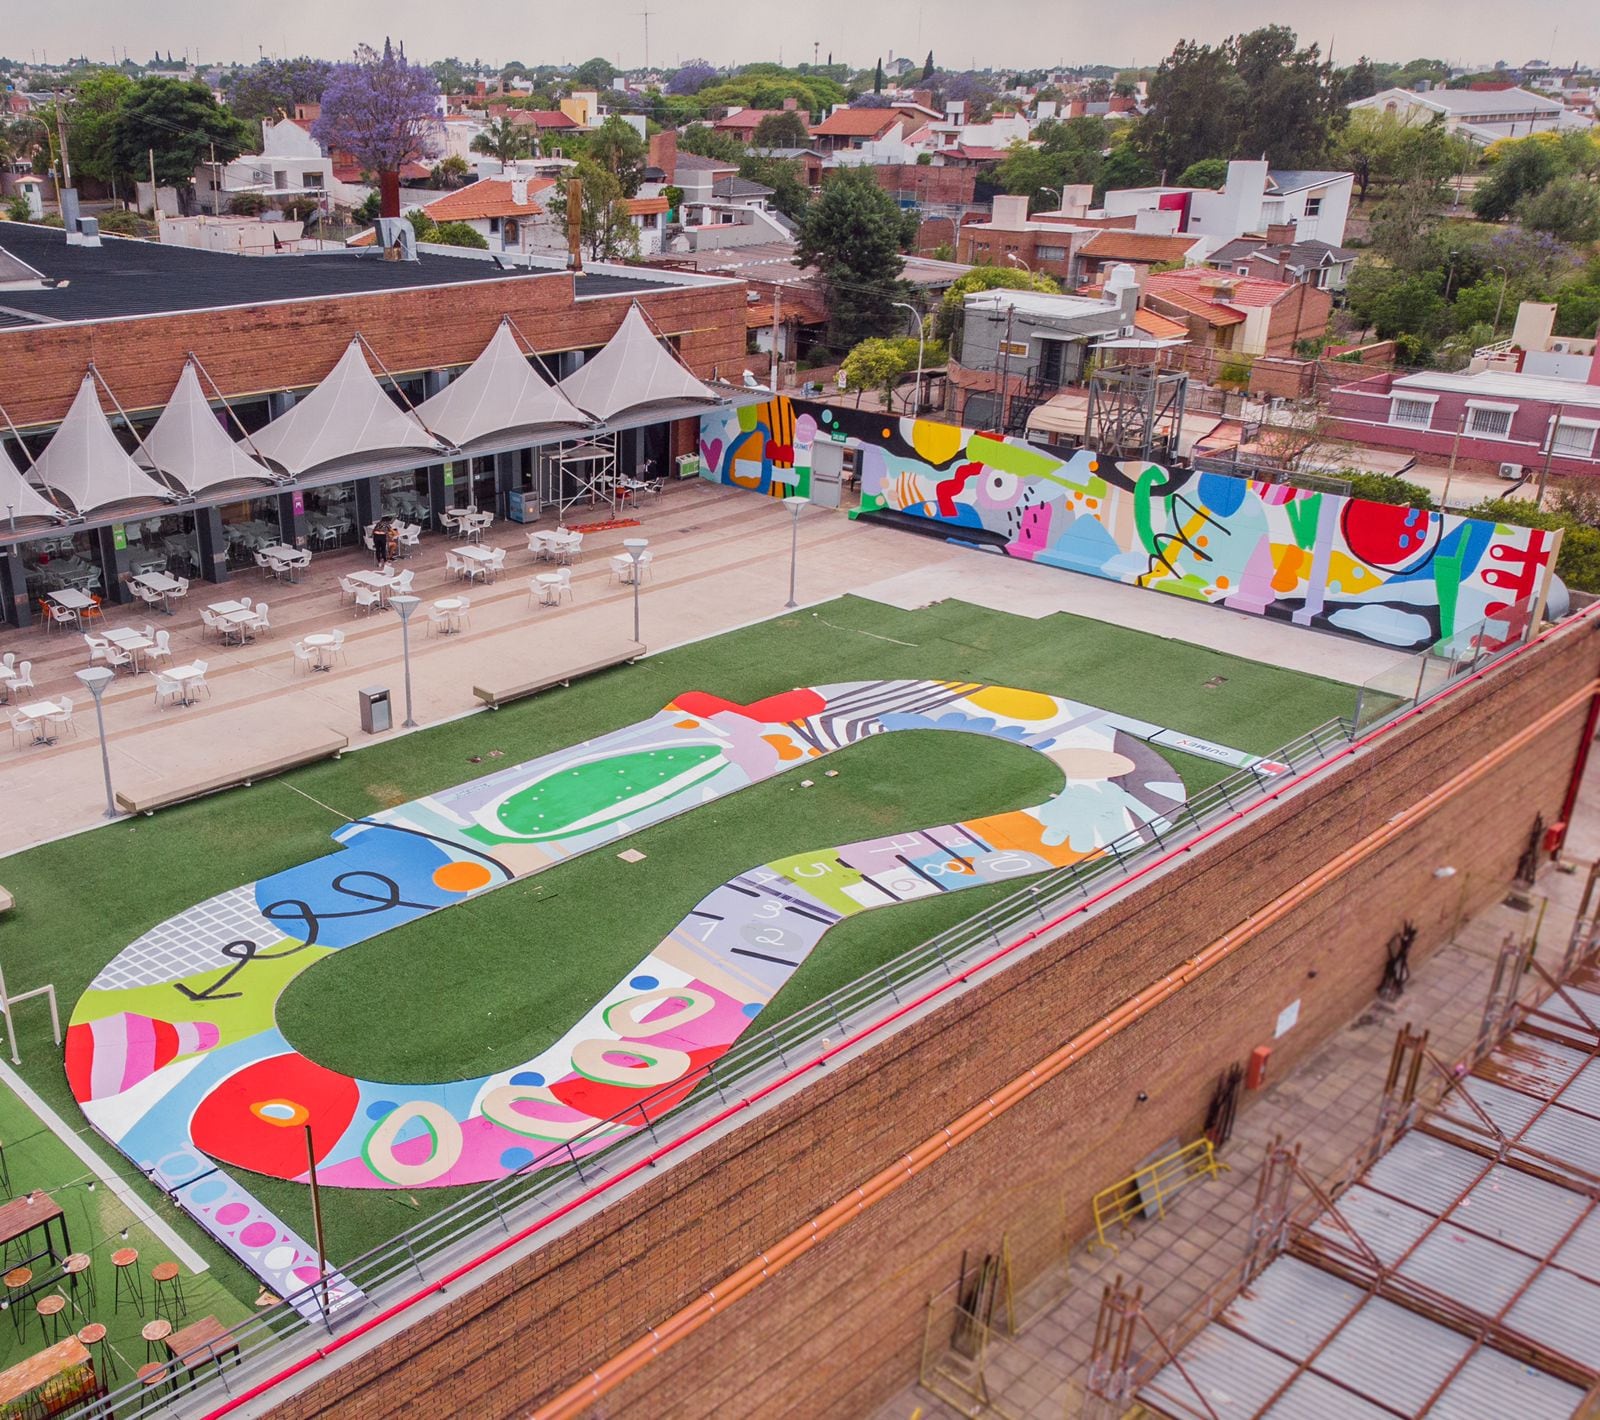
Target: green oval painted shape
604,790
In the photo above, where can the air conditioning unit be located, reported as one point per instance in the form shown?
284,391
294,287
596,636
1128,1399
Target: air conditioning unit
1558,347
1511,472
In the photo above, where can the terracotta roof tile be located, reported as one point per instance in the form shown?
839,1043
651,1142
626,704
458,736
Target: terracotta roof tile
856,123
1120,245
1154,324
489,197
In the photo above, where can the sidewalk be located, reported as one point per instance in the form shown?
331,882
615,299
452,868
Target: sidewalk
1329,1106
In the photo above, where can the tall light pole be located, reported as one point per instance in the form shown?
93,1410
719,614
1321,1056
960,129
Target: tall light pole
795,506
916,316
405,604
1016,260
97,678
1060,195
635,546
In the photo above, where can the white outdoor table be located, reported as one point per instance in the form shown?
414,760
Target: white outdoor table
285,559
185,676
162,585
131,641
452,607
239,621
226,608
381,582
37,715
71,598
318,643
548,584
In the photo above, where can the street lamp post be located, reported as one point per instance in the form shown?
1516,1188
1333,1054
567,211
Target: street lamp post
795,506
1012,257
405,604
97,678
916,315
1060,196
1499,305
635,546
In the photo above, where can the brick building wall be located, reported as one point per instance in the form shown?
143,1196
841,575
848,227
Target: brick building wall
838,1330
249,350
925,184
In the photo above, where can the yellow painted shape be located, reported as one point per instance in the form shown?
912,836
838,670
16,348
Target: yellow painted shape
937,443
1015,704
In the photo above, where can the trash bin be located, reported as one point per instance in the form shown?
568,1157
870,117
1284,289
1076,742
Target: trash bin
376,716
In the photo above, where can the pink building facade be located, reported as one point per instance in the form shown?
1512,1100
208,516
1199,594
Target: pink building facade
1489,421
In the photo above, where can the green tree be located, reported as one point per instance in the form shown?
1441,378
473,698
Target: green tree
617,147
594,73
784,129
274,86
1520,169
1394,303
704,140
458,234
1568,208
606,229
181,125
1385,488
367,212
1124,167
853,234
878,364
90,111
790,195
1405,225
1026,171
17,208
1208,172
247,204
451,172
505,140
1383,148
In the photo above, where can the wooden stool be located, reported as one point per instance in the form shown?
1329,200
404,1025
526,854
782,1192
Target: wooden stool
169,1291
127,1280
93,1336
155,1332
50,1308
153,1374
15,1280
79,1274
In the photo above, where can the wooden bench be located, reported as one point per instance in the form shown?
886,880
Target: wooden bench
503,693
166,792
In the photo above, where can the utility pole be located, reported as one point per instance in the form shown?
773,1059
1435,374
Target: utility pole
154,206
1455,448
777,325
61,134
1005,373
1549,453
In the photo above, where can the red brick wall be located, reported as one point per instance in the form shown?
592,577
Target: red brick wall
839,1330
926,183
253,349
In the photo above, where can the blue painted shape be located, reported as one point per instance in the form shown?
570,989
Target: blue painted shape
1085,546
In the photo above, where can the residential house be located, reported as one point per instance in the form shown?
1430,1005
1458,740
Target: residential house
1138,250
1012,238
1483,116
1277,255
510,213
549,126
1019,347
1252,198
808,163
742,123
1239,315
955,131
649,216
846,129
1492,419
730,196
1534,348
291,164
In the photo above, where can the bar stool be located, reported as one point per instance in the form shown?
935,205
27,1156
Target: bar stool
155,1332
16,1281
127,1280
153,1376
79,1275
93,1336
168,1290
50,1308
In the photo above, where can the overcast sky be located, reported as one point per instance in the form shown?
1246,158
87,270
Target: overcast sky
962,33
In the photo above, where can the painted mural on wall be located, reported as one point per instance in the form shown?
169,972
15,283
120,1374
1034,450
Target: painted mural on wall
175,1055
1399,576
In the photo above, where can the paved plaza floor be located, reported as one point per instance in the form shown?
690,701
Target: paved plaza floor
721,560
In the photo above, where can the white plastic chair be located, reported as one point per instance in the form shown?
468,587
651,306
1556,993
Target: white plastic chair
403,583
564,587
497,563
338,645
438,621
261,622
21,729
302,654
24,680
268,567
198,681
63,720
97,647
166,687
367,598
455,564
61,616
115,656
209,619
183,589
163,646
465,613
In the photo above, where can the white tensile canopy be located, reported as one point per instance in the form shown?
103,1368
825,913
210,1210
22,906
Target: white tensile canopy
18,497
85,465
634,370
190,446
497,393
347,416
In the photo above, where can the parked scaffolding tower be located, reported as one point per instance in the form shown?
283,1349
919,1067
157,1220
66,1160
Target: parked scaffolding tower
1136,412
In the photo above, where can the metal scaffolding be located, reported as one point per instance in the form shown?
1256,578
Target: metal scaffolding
581,471
1136,412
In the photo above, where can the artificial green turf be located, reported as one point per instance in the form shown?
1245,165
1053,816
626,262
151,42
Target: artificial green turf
535,952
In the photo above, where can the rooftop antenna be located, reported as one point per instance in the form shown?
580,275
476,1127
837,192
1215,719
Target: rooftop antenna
645,16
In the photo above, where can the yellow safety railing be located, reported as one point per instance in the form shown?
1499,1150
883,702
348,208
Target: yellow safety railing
1151,1187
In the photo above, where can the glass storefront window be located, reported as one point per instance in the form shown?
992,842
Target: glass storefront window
163,544
404,496
474,485
248,525
63,560
330,514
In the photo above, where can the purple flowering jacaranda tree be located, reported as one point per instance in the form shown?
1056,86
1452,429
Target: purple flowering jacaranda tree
380,109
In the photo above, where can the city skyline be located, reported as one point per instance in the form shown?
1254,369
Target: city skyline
1016,33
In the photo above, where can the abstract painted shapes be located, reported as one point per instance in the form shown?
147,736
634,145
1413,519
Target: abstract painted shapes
107,1056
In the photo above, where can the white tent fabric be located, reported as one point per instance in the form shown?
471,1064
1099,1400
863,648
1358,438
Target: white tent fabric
189,444
84,464
633,370
347,415
19,496
496,393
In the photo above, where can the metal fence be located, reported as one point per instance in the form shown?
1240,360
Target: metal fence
534,1196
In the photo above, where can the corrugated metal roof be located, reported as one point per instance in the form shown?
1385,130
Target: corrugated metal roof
1581,1252
1557,1014
1235,1376
1562,1312
1492,1386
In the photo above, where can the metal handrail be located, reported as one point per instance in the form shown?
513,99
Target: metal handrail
544,1180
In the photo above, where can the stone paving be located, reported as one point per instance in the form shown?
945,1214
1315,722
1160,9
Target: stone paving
1328,1106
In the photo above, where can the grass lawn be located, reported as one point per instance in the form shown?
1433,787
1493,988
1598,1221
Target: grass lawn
489,981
